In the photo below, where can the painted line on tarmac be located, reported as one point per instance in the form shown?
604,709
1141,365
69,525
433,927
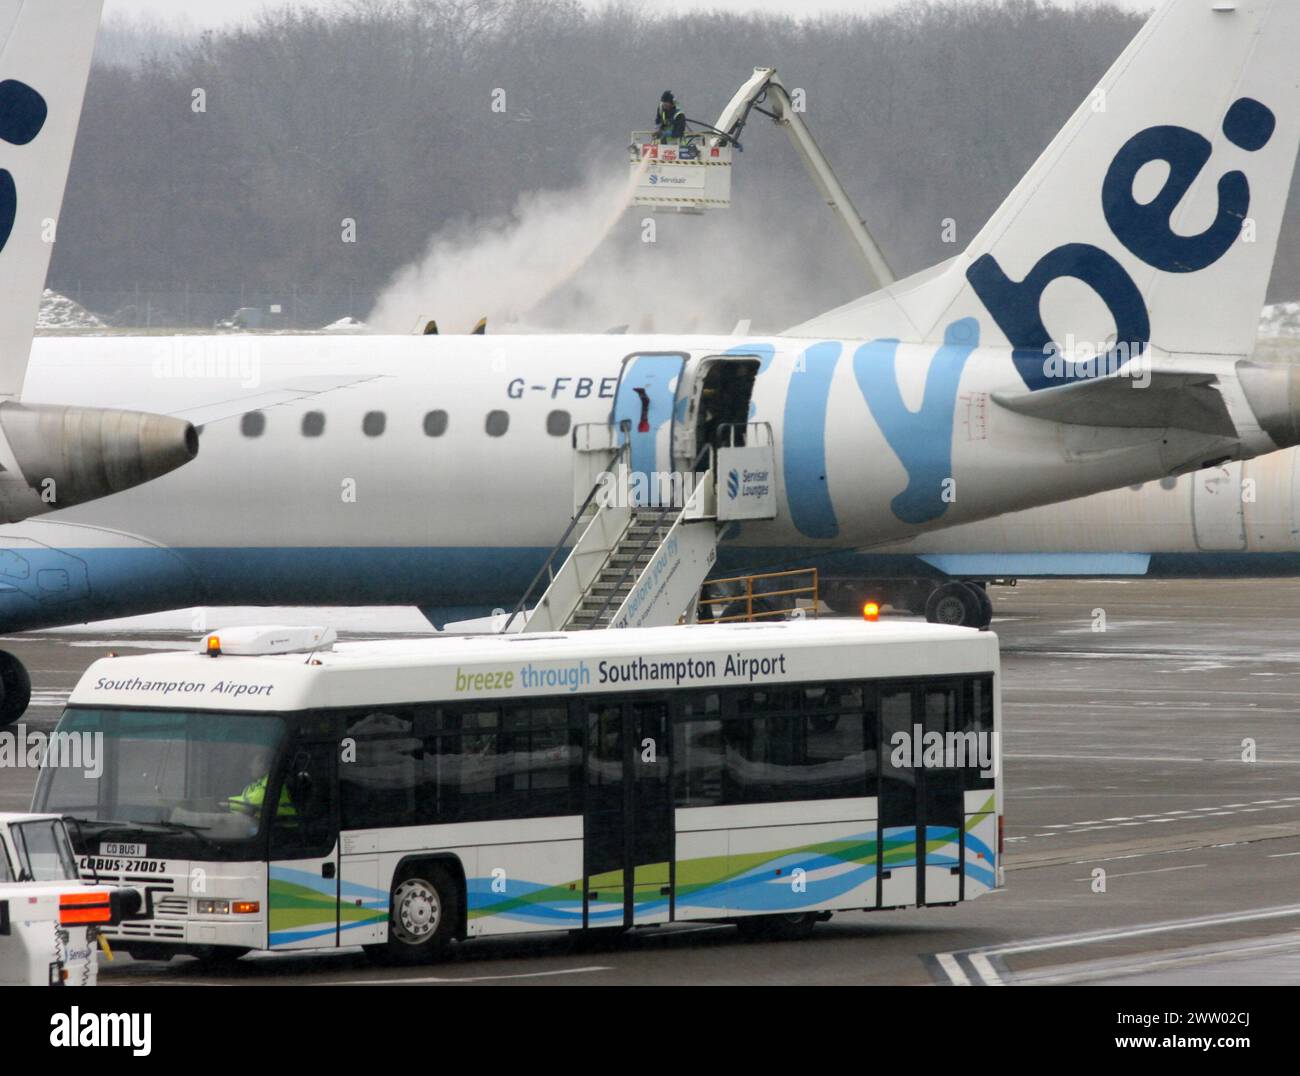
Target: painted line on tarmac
453,980
1124,967
988,965
1067,829
1235,760
1155,870
952,968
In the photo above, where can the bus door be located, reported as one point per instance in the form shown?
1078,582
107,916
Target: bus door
628,823
896,846
922,805
302,878
943,811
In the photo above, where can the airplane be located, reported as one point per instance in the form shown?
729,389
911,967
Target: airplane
1237,520
440,471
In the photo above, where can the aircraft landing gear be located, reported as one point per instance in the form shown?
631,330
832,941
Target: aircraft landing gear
15,689
964,604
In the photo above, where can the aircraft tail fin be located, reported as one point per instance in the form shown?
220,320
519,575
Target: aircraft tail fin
1150,221
46,48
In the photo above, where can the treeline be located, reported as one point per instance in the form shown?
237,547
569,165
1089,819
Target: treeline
225,164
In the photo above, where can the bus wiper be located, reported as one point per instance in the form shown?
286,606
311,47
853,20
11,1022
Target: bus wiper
183,827
109,824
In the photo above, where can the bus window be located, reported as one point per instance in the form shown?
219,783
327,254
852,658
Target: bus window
697,744
467,764
977,719
788,754
541,762
302,819
379,779
943,783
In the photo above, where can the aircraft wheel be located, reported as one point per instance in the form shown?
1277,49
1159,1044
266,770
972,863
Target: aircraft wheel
953,603
913,597
985,606
843,598
15,689
741,608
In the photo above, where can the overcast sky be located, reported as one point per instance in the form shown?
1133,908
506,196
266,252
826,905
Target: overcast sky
218,12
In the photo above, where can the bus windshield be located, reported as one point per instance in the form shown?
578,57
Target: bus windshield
203,774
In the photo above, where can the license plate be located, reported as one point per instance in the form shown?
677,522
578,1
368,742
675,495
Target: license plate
123,851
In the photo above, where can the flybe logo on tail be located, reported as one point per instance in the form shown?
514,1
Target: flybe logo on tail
1145,230
23,113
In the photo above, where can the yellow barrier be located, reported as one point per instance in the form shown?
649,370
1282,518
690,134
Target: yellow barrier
710,595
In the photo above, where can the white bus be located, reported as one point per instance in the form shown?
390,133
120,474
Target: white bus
402,794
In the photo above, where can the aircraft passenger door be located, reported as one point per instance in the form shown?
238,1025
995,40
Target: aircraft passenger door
713,405
302,900
643,412
628,818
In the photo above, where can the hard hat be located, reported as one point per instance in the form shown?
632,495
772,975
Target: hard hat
667,95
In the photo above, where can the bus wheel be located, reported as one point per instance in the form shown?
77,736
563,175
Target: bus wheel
794,927
760,610
425,908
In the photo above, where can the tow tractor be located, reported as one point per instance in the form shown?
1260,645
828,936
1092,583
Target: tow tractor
50,920
693,173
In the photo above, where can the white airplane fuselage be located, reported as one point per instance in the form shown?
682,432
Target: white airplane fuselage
464,517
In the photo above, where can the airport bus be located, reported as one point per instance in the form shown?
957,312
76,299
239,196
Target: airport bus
280,791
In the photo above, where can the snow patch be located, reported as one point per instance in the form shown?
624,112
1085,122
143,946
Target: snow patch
1280,319
59,312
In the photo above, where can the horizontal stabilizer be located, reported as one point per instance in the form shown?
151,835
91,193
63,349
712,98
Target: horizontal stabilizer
1182,401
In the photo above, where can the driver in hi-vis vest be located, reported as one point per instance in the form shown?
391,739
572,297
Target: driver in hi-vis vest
249,801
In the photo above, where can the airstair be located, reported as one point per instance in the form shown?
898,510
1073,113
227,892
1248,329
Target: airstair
638,549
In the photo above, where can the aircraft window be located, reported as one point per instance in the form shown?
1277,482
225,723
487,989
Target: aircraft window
373,424
558,423
313,424
497,423
253,424
435,423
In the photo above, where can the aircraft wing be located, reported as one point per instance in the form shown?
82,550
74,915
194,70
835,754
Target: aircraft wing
270,395
1184,401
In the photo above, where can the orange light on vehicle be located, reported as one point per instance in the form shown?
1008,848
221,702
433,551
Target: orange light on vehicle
871,611
214,646
245,907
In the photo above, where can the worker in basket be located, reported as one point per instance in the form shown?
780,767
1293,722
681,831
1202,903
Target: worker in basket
670,121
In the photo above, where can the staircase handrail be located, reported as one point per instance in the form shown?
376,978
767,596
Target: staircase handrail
707,450
545,569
